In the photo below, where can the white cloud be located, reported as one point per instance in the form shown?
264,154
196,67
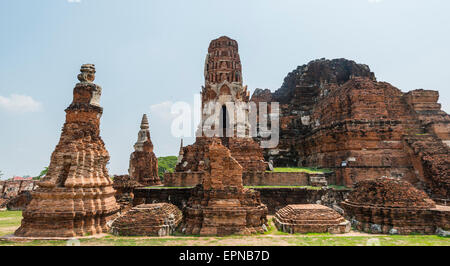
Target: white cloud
375,1
162,111
20,103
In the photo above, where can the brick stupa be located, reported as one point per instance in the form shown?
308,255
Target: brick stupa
76,197
221,205
143,161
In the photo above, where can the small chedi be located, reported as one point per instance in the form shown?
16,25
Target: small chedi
76,197
161,219
389,205
223,88
221,205
310,218
143,161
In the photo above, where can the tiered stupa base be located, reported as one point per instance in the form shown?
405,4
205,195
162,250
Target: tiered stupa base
72,212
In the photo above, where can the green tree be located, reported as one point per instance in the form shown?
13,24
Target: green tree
166,164
42,174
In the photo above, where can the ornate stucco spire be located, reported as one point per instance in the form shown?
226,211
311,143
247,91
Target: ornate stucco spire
143,161
144,123
143,135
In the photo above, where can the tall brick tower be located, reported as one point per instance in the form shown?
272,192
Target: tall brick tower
76,197
224,90
223,72
224,86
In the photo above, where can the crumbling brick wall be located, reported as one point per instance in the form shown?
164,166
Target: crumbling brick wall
273,198
10,190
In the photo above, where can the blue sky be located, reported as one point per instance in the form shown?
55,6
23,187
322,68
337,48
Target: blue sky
149,54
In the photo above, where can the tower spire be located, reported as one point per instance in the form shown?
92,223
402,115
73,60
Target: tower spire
144,123
181,148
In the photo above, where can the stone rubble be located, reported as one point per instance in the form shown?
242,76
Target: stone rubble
160,219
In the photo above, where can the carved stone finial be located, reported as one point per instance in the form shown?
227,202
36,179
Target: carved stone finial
144,123
87,73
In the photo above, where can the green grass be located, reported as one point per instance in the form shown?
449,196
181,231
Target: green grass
9,221
309,170
335,187
273,237
307,187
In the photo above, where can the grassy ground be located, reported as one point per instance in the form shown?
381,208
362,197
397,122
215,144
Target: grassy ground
310,170
9,221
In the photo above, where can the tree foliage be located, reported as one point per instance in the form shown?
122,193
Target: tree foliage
166,164
42,174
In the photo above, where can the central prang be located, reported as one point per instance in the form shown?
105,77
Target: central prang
222,94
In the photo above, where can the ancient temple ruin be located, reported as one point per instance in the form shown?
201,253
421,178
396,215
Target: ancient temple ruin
221,205
334,114
393,147
143,161
76,197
